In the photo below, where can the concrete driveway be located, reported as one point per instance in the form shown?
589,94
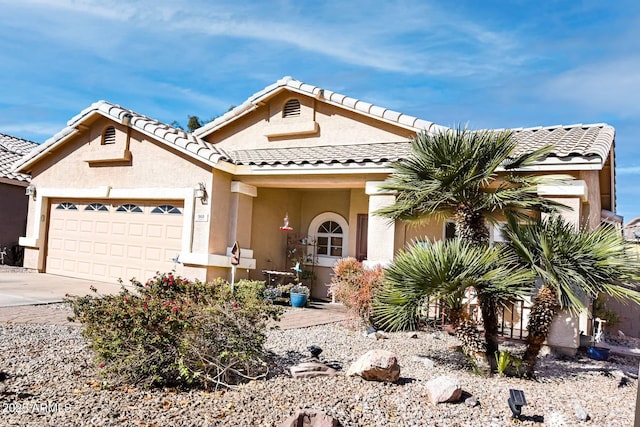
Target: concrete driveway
27,288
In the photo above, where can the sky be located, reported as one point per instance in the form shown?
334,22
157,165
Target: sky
489,64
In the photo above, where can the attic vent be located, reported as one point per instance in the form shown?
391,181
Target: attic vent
109,136
291,108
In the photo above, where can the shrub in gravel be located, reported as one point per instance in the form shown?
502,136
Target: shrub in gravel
355,286
171,331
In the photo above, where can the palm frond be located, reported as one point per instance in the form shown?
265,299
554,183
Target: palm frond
576,263
458,167
442,269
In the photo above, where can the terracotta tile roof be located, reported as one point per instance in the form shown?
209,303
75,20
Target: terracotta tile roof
572,140
288,83
177,138
359,153
568,141
576,140
13,149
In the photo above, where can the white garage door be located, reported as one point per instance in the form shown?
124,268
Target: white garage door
106,240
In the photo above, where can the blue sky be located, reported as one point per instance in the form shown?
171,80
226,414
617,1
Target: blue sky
488,64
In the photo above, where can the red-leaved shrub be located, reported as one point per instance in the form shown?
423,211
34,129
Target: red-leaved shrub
355,286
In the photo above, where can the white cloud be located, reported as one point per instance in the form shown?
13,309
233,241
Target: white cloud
410,38
33,128
606,87
628,170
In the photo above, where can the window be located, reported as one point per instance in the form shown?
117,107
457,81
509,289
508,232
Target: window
166,209
129,208
109,136
98,207
329,231
449,230
291,108
329,239
67,206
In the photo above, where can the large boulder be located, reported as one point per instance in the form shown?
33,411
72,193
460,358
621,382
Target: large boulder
444,389
376,365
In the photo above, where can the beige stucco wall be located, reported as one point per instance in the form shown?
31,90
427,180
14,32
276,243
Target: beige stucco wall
592,207
335,125
431,229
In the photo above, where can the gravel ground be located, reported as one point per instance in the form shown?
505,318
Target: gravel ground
48,378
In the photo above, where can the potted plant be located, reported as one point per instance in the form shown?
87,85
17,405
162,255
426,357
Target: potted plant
299,294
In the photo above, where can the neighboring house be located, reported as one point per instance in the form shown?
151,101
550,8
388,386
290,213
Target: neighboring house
631,230
629,314
121,195
14,202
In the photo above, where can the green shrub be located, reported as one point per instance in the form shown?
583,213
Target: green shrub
503,360
171,331
355,286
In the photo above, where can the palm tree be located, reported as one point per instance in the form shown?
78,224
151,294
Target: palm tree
455,173
573,266
446,269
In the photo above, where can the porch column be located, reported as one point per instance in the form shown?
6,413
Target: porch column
240,221
381,231
241,213
572,194
564,336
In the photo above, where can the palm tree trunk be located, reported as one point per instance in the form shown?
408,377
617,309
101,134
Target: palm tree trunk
489,311
471,226
543,311
466,331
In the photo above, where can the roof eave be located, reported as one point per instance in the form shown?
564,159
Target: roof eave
401,120
72,129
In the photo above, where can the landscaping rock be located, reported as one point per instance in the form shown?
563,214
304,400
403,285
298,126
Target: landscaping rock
428,363
311,367
471,401
580,412
309,418
444,389
376,365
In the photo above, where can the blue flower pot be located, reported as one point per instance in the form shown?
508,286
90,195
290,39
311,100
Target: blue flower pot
598,353
298,300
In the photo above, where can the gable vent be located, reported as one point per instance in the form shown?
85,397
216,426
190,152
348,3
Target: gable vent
291,108
109,136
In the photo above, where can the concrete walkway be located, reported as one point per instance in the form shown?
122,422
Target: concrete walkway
319,313
29,297
22,287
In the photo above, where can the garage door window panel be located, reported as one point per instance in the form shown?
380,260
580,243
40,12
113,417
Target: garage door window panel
66,206
166,209
96,207
129,208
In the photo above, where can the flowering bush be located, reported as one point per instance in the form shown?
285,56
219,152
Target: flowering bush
170,331
272,293
355,286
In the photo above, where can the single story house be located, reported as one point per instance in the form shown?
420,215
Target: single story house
292,174
13,200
